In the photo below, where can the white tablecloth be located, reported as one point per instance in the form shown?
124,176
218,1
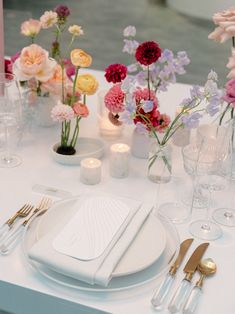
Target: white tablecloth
24,291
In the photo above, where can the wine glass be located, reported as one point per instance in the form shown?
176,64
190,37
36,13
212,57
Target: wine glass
211,157
10,118
226,215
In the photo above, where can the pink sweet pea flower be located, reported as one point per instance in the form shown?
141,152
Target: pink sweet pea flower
230,92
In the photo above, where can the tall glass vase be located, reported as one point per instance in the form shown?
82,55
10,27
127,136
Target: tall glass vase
160,162
233,149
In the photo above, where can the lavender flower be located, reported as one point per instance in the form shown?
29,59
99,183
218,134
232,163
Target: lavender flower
196,92
129,31
130,46
183,58
147,106
191,121
128,85
166,56
132,68
213,106
141,78
212,76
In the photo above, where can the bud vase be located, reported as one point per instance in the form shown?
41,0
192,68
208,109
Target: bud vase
160,162
233,149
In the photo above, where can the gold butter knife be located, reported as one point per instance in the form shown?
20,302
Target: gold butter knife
183,290
161,293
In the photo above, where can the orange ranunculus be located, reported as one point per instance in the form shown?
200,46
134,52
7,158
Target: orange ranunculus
80,110
86,84
80,58
30,28
34,62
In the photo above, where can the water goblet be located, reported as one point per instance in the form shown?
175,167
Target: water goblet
10,118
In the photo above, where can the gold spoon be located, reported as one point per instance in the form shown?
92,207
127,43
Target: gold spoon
206,267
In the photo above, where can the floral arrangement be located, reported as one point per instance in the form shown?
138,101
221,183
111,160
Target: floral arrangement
225,30
133,97
50,73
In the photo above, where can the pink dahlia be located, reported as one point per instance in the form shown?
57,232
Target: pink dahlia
115,73
143,94
114,99
148,52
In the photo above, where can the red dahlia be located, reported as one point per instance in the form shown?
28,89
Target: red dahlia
148,53
115,73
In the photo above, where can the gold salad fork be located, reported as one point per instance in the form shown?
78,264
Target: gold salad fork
21,213
12,240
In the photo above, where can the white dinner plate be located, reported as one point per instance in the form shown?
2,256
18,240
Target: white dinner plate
133,260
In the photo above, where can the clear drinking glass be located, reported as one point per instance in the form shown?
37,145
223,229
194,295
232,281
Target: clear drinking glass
10,119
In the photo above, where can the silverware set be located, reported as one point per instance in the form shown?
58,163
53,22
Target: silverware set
11,233
185,298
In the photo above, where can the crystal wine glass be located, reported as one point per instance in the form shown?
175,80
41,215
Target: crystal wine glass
226,215
10,118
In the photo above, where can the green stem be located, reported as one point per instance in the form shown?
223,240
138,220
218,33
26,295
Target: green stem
74,85
148,80
223,114
62,94
75,133
233,41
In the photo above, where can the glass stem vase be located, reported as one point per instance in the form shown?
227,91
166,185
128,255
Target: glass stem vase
160,162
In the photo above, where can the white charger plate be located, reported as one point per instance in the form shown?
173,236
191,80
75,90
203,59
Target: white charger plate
133,260
150,273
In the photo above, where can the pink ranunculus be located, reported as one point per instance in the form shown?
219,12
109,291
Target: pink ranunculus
114,99
231,65
30,28
62,112
164,121
34,62
230,92
226,25
80,110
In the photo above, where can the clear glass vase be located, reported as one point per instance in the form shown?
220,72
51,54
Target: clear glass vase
160,162
233,149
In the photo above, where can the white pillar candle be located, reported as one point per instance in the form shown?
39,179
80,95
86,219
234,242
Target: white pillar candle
90,172
119,160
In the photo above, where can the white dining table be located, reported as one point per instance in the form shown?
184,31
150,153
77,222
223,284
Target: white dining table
25,291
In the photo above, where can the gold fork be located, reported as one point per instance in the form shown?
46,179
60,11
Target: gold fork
10,242
22,212
43,206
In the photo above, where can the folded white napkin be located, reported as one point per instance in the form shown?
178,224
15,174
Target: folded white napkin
97,270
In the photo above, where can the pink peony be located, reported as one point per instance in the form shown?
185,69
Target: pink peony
80,110
230,92
30,28
114,99
34,62
226,25
62,112
143,94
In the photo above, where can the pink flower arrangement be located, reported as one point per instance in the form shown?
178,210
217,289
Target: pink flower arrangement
47,73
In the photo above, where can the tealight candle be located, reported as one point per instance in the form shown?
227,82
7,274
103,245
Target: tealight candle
119,160
90,172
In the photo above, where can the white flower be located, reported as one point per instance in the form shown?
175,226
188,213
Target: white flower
212,76
48,19
129,31
76,30
62,112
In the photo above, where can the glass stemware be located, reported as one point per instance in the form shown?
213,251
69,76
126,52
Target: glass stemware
226,215
10,117
210,162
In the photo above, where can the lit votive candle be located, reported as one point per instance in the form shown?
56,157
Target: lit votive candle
119,160
90,172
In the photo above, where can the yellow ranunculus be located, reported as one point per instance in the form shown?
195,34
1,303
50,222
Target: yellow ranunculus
80,58
86,84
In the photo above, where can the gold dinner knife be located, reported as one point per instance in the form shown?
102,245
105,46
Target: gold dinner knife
183,290
161,293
